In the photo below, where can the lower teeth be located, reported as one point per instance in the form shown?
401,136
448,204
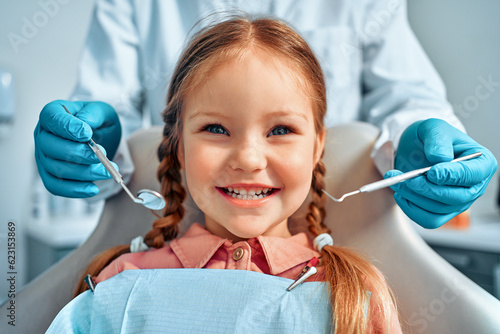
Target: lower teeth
247,197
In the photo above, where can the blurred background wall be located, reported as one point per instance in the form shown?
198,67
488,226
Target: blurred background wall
462,38
43,67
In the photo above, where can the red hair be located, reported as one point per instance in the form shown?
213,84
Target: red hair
349,276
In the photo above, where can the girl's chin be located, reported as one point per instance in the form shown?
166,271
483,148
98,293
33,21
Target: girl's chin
232,225
237,232
235,235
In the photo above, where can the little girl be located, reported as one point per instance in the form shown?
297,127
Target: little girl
244,119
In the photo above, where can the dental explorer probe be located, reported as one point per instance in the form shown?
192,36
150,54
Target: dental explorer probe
149,198
395,179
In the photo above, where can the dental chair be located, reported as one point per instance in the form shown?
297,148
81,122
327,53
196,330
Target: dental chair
432,296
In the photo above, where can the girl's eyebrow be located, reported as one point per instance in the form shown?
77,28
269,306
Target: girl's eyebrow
287,113
271,114
201,113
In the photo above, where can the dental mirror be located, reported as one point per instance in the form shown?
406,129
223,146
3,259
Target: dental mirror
151,199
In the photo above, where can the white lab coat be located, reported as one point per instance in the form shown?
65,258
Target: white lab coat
375,69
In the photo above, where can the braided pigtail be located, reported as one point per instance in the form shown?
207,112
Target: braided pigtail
317,211
164,228
351,278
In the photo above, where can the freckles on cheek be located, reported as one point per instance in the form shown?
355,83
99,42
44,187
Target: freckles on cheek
298,158
197,161
203,164
199,171
296,168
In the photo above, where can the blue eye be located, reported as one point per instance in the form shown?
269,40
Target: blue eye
280,130
215,128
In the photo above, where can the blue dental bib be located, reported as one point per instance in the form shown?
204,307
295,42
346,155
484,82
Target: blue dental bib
197,301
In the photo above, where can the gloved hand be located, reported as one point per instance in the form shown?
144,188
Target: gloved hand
65,162
447,189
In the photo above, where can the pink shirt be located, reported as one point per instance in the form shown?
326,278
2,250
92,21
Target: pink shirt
198,248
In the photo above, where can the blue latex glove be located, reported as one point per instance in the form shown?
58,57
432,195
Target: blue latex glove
66,164
447,189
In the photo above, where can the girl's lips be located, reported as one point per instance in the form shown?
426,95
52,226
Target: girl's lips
255,201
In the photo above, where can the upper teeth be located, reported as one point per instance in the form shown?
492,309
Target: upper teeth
249,192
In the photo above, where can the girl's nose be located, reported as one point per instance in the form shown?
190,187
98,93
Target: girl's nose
248,155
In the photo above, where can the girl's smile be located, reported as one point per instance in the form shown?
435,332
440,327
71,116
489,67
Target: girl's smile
248,195
249,146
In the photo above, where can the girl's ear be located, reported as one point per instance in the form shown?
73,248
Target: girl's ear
319,146
180,152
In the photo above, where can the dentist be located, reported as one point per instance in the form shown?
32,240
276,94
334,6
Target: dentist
375,72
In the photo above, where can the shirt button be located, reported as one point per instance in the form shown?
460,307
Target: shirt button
238,254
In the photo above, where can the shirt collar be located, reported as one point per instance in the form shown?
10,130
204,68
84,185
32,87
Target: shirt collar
198,246
283,254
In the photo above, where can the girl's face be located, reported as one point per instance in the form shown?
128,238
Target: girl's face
249,147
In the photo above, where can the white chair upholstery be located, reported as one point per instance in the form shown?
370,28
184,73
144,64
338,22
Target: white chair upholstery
432,296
